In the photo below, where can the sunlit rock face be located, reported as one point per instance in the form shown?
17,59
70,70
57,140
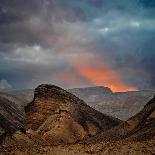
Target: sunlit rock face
60,117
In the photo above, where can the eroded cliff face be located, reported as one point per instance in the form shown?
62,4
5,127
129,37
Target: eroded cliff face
60,117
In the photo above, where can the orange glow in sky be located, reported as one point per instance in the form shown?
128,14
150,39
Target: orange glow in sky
100,74
109,78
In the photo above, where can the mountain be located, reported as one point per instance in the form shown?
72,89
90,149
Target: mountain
19,97
83,93
12,117
121,105
19,103
91,94
25,95
60,123
140,127
60,117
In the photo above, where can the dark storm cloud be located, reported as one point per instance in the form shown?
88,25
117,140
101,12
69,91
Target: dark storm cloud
40,37
147,4
18,20
132,52
20,76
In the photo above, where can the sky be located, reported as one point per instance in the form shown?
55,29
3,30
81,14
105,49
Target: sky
77,43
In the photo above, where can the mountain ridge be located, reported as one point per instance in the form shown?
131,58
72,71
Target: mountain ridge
58,123
54,105
122,105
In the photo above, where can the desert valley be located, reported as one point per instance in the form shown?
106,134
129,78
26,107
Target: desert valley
55,121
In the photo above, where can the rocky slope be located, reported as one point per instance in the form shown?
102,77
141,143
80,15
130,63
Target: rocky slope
57,117
91,95
26,95
17,101
12,117
139,127
60,117
124,105
119,105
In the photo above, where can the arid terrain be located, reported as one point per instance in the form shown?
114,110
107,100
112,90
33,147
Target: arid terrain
57,122
77,77
121,105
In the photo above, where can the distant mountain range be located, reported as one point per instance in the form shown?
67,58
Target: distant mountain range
139,127
121,105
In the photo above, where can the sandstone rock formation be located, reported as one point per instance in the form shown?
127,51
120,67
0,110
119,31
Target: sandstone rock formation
60,117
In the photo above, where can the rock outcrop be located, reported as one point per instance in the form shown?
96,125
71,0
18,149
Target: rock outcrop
60,117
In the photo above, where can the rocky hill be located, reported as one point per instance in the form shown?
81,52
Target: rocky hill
12,117
60,123
20,100
91,95
60,117
86,94
25,95
119,105
123,105
140,127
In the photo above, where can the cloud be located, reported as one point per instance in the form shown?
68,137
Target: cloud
33,55
100,42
